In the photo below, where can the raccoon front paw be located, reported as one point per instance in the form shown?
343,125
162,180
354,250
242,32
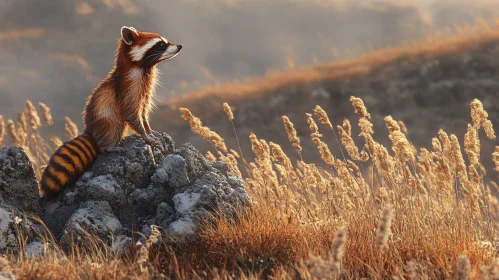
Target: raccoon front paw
148,129
151,141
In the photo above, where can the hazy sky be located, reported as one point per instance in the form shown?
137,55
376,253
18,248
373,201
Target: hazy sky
57,51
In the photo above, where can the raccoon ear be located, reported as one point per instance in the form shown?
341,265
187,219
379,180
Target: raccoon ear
128,34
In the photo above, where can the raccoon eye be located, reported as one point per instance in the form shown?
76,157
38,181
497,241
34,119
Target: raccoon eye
161,44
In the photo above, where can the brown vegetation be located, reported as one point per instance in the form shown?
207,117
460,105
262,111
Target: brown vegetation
26,132
416,214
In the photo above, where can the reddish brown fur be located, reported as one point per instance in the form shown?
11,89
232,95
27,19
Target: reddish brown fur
121,100
125,102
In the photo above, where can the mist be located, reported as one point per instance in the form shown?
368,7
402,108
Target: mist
57,51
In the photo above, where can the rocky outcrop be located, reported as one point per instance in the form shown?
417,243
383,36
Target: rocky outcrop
18,185
127,192
121,195
18,196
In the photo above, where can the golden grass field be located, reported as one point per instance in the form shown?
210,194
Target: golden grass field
369,211
415,213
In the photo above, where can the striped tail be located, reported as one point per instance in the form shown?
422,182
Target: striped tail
67,164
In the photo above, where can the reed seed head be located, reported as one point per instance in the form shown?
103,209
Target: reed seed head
228,111
209,156
22,136
366,127
338,248
495,158
236,154
46,115
489,129
463,268
384,227
313,126
292,136
256,146
280,156
21,121
34,119
401,146
472,145
322,116
203,131
478,114
11,132
56,141
359,107
347,127
71,129
348,143
326,154
480,118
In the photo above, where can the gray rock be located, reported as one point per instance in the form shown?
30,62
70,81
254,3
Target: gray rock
164,211
131,169
214,189
121,244
120,194
18,184
6,236
145,200
196,162
172,170
34,249
170,174
128,192
104,187
11,226
185,202
18,195
183,227
57,215
93,217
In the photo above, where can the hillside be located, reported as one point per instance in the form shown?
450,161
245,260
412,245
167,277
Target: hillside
428,86
57,51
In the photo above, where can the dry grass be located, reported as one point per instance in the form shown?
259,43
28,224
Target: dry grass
25,132
408,213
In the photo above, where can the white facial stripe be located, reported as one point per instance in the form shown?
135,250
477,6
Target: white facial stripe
138,52
164,39
172,48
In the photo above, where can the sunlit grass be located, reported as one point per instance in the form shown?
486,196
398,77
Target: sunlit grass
371,211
